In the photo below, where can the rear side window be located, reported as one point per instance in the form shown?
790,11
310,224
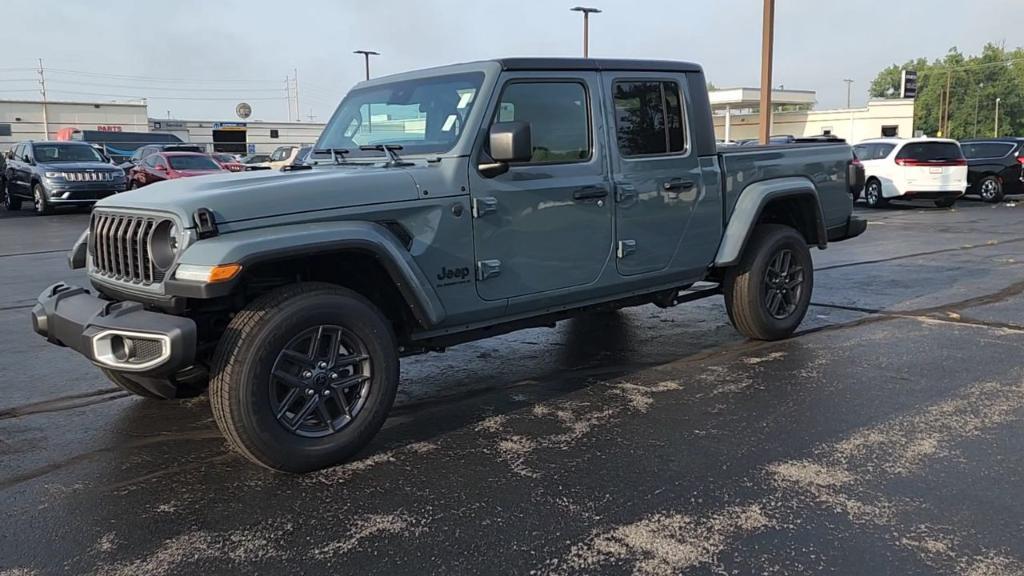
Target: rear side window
193,163
930,151
648,118
876,151
986,149
558,115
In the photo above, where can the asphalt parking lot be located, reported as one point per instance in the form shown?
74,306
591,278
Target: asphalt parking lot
884,438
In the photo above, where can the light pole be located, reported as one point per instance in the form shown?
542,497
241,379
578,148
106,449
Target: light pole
996,134
586,26
849,85
366,57
767,44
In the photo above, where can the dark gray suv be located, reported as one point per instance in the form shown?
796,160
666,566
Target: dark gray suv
54,174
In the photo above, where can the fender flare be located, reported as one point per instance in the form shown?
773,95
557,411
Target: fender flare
252,247
751,204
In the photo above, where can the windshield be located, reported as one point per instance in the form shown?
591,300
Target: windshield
424,116
192,163
224,157
51,153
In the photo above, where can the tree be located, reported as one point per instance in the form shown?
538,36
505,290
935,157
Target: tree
975,83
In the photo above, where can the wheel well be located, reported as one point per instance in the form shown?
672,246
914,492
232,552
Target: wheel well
798,212
359,271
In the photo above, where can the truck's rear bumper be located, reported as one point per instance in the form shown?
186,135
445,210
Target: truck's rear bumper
854,227
117,335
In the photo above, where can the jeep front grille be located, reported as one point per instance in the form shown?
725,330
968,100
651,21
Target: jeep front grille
88,176
119,245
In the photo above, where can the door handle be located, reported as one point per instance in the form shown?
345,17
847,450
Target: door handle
590,193
673,185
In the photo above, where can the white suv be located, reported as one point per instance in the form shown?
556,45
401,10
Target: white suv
915,169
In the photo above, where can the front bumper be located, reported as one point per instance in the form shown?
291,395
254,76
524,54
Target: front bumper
121,336
61,192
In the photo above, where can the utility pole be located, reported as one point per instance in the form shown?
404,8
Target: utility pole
996,131
288,90
977,106
298,113
311,116
945,113
767,46
587,11
849,85
366,58
42,84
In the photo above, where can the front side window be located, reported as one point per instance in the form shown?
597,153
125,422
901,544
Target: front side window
53,153
424,115
648,118
558,116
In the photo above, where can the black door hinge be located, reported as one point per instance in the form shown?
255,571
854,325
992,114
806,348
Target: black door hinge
206,226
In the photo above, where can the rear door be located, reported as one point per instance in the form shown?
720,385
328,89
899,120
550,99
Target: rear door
657,175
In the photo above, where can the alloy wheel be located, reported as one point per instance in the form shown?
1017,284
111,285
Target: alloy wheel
783,284
873,194
320,381
989,189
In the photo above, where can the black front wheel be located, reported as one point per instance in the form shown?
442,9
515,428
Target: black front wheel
304,377
873,194
42,206
767,294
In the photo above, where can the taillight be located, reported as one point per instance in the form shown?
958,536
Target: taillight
912,162
1020,159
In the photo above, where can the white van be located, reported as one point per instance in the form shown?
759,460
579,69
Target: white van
916,169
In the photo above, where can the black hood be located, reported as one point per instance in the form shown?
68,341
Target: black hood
78,166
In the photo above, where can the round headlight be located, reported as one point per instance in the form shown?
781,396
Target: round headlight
164,244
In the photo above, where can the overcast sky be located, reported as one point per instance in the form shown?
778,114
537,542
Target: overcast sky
226,50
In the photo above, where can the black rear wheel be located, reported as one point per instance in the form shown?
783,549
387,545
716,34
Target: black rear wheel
990,189
11,202
945,202
304,377
767,294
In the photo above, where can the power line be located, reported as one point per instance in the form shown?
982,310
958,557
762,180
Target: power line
190,89
136,97
157,78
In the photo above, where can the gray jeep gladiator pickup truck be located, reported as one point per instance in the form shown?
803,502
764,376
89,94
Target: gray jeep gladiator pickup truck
443,206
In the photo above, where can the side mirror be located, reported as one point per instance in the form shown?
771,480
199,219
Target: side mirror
26,159
160,168
509,142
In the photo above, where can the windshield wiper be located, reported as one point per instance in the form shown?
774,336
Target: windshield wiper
337,154
391,150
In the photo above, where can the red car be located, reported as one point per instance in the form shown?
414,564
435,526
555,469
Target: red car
170,166
228,161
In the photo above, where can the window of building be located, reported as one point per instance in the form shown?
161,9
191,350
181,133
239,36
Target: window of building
274,133
826,131
649,118
5,129
558,115
890,131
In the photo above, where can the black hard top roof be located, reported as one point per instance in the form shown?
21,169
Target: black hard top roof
597,64
1014,139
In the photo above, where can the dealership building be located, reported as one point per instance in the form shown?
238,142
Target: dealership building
735,118
31,120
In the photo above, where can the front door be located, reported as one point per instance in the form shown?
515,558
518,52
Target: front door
545,224
657,174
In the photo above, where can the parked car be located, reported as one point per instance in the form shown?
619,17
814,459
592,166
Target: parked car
912,169
119,146
283,156
255,162
144,151
171,166
51,174
995,167
542,188
229,162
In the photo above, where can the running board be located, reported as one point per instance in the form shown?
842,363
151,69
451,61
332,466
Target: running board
678,297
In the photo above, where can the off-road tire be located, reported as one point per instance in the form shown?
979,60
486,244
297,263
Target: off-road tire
745,284
129,385
240,375
873,194
11,202
990,189
42,207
